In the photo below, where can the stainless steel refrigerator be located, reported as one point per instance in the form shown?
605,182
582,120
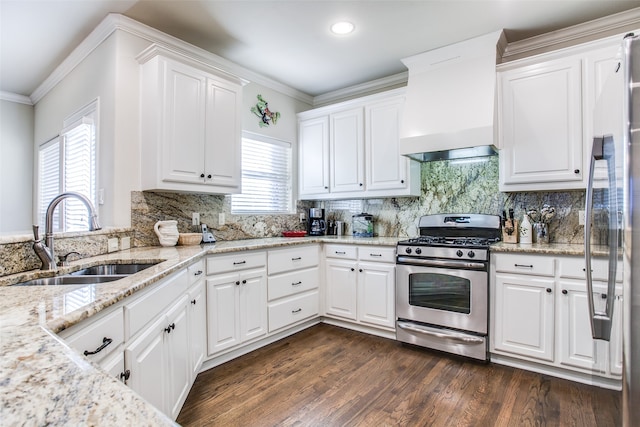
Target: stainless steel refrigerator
613,218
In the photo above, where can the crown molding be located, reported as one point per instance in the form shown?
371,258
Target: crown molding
581,33
114,21
373,86
14,97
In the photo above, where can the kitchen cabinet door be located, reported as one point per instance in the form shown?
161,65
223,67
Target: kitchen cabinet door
179,367
146,360
385,168
524,316
183,141
223,162
376,293
197,327
313,152
253,304
223,308
341,288
540,126
577,348
346,148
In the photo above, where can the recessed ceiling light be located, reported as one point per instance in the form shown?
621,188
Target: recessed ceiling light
342,27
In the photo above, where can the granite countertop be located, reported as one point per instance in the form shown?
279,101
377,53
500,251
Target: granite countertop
548,249
44,381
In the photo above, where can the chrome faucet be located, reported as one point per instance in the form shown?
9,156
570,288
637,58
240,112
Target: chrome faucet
45,251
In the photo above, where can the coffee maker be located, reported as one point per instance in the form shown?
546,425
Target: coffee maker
316,226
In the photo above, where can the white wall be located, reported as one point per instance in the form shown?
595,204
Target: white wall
16,167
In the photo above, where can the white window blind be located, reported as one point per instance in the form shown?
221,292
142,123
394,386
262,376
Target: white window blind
266,177
68,163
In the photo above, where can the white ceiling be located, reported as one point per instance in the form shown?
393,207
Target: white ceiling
288,41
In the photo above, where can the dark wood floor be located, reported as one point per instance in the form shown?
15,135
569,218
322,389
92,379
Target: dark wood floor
329,376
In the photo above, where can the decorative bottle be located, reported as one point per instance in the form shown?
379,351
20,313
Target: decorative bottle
525,231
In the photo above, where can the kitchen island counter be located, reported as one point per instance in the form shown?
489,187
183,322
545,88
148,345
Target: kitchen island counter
44,381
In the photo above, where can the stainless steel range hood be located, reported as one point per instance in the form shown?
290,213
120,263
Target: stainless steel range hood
450,100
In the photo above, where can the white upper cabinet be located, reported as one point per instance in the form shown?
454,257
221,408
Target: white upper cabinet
351,149
347,150
541,126
548,115
191,125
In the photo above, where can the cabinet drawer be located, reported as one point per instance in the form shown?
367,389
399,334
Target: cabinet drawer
341,251
377,253
574,268
95,336
281,260
144,309
235,262
195,271
524,264
292,310
292,283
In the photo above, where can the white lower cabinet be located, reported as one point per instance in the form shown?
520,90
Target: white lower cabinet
197,313
523,313
236,301
158,360
292,287
360,284
540,313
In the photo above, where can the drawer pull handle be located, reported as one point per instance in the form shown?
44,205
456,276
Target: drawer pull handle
105,342
375,254
296,283
239,262
296,311
340,253
524,265
296,258
124,376
197,273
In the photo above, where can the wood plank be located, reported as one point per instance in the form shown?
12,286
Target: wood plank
326,375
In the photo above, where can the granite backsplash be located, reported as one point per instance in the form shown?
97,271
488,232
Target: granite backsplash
447,187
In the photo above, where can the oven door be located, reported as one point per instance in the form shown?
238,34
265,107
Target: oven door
444,297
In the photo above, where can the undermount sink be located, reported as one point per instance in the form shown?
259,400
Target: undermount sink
71,280
91,275
112,269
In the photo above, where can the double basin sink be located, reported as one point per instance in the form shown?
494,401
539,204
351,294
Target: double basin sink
90,275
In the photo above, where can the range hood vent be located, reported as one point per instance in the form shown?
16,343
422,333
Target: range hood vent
450,100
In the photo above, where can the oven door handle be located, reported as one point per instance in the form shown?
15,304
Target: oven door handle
440,263
448,335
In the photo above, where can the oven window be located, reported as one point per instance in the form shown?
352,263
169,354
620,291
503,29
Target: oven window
440,292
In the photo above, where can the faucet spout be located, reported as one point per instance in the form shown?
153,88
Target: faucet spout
48,261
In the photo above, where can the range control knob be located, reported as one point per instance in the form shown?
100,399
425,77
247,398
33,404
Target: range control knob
418,251
459,253
471,254
408,250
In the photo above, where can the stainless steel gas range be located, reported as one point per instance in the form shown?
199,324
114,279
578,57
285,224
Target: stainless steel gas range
442,284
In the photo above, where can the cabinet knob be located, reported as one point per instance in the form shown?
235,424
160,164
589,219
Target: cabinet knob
201,175
353,269
360,184
193,302
603,296
209,176
326,188
548,290
402,181
244,282
564,292
237,282
576,171
360,270
169,328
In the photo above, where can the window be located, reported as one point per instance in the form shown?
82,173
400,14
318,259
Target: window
266,177
68,163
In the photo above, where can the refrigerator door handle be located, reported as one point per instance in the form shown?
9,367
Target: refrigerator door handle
603,149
